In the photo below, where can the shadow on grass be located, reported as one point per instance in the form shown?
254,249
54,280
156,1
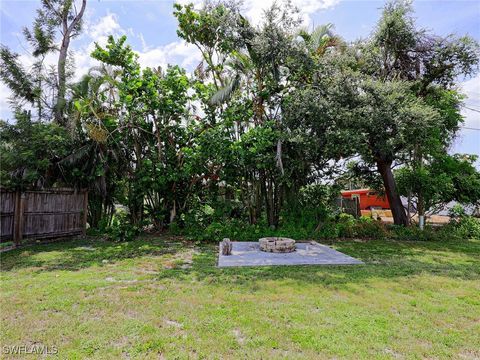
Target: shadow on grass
77,254
383,259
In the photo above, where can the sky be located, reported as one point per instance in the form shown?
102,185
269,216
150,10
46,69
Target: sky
151,31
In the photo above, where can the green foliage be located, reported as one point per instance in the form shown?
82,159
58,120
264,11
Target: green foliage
318,199
346,226
463,228
414,233
30,151
467,227
15,76
215,25
119,229
443,179
369,228
388,99
42,87
464,225
237,149
299,226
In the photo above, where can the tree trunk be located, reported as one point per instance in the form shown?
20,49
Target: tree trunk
418,163
269,195
409,207
67,32
421,210
173,212
62,80
398,211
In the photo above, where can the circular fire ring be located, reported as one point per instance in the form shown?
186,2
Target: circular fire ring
277,244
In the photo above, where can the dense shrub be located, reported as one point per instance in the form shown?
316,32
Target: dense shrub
342,226
234,229
463,228
466,227
346,226
204,225
413,233
317,201
119,229
328,230
366,227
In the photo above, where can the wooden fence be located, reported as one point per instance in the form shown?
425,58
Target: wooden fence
42,214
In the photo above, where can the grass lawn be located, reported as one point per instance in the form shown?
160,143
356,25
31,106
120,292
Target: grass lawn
160,297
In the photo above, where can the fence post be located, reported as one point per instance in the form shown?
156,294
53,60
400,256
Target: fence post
18,218
85,212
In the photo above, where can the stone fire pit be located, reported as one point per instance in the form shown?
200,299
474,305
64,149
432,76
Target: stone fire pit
277,244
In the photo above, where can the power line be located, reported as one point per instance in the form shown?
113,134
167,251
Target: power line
472,109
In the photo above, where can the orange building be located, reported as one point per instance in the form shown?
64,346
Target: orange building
368,199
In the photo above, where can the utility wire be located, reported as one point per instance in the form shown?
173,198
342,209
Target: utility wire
469,108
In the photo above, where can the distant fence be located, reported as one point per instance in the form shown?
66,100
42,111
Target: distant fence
42,214
349,206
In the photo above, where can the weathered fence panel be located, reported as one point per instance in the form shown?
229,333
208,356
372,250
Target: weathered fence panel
42,214
7,212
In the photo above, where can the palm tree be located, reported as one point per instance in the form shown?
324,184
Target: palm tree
98,156
320,39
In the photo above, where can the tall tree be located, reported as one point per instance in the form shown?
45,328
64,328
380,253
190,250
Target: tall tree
56,23
64,14
151,115
430,64
390,96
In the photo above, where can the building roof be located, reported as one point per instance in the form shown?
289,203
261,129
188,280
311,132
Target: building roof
357,191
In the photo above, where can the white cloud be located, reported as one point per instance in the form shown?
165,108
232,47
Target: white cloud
471,89
177,52
95,32
107,25
255,9
145,47
5,93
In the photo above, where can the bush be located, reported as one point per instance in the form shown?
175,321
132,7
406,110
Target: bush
119,229
303,225
413,233
467,227
346,225
328,230
318,200
234,229
366,227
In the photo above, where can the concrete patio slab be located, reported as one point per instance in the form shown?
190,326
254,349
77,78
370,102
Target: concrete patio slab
312,253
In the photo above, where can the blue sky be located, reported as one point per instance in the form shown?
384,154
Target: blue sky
151,30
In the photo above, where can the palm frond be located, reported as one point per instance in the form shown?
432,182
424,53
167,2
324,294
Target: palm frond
319,38
241,62
77,157
225,93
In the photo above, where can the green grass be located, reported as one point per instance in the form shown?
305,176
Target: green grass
164,298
